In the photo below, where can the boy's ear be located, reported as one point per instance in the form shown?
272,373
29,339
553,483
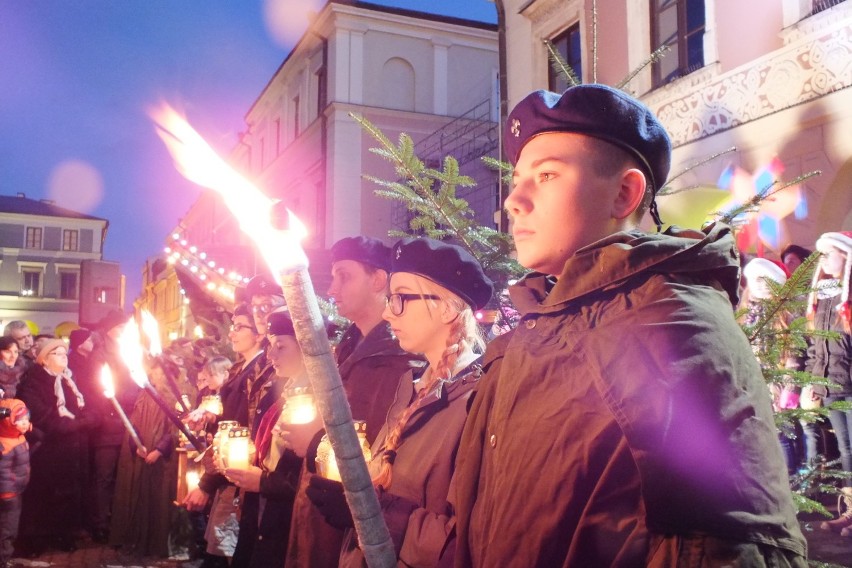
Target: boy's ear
379,280
631,193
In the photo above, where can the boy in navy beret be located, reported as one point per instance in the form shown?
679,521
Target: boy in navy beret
370,362
625,421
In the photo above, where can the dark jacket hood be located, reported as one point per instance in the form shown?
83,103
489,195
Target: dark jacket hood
709,256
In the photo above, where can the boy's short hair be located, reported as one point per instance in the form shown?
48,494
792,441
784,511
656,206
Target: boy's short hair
218,364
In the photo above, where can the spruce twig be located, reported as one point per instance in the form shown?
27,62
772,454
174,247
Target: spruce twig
560,66
655,56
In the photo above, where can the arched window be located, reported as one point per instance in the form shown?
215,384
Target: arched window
398,82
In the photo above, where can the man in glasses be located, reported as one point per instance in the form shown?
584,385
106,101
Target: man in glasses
264,296
370,361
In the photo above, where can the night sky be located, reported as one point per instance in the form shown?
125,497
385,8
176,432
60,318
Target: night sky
77,79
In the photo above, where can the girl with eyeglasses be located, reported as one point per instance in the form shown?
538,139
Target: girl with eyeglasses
435,288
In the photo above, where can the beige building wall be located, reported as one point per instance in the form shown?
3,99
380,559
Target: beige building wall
776,82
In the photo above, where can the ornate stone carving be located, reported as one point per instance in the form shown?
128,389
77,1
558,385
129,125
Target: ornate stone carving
704,103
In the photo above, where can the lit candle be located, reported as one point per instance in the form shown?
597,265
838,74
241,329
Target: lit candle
283,253
212,403
109,392
299,407
238,448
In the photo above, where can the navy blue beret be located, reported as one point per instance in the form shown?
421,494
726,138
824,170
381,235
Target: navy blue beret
597,111
362,249
263,285
448,265
279,323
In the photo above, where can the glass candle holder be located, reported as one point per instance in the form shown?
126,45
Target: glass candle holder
299,407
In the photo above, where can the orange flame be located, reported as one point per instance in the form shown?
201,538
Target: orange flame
152,331
131,353
199,163
106,382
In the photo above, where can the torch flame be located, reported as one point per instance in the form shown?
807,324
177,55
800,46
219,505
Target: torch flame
152,331
106,382
199,163
131,353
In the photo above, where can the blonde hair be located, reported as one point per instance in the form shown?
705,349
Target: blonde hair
218,364
464,336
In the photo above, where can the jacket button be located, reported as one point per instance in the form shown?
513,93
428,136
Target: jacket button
493,440
530,324
260,537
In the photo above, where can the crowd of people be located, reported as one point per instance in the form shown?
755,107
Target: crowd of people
624,422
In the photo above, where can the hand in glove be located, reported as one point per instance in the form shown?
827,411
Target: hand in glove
327,496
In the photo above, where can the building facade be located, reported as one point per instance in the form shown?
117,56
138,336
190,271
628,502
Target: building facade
771,78
44,249
432,77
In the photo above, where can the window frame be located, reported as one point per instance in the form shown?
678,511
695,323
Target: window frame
553,81
75,237
36,292
76,294
28,239
681,39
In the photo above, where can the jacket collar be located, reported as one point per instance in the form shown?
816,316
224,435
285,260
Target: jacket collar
709,255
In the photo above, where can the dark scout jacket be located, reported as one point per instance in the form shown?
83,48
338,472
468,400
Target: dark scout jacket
625,414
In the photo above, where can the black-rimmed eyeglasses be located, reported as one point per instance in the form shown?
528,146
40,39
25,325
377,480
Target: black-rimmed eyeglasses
396,302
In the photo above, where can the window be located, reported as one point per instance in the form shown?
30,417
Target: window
822,5
31,282
33,238
568,46
70,239
68,285
296,126
678,24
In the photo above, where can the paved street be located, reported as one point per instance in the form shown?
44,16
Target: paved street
825,547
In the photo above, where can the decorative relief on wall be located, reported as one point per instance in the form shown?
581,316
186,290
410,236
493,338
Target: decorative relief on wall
702,104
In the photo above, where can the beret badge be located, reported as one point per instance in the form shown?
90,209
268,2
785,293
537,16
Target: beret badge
516,127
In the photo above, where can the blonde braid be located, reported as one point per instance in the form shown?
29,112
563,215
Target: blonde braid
442,371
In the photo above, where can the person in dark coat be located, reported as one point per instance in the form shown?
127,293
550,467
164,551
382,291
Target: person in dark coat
625,420
435,289
370,362
243,387
146,485
52,506
269,486
106,442
10,368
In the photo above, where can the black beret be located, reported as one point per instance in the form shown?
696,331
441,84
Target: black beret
362,249
262,285
279,323
447,265
597,111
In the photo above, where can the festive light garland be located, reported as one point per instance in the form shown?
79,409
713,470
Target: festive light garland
211,277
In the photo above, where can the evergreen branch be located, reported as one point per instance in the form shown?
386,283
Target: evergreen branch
665,189
655,56
404,160
560,66
505,169
753,204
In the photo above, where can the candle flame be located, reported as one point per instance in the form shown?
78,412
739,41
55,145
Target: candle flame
106,382
199,163
130,348
152,332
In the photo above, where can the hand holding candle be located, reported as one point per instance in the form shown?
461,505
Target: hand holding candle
284,255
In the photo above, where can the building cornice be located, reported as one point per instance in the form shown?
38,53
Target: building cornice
704,103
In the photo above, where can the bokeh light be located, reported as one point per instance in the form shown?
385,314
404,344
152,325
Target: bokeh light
287,20
76,185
